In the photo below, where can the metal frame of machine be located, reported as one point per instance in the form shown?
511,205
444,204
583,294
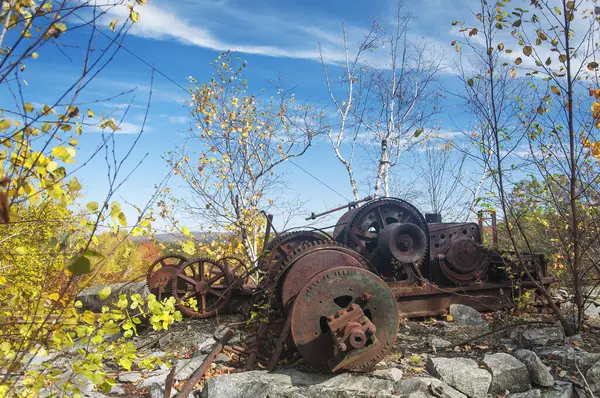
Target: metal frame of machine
336,299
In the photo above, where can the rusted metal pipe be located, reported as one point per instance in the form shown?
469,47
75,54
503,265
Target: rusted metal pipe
279,347
169,383
480,222
253,355
268,228
494,230
189,385
349,206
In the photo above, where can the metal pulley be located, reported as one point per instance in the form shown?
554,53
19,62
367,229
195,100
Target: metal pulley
344,318
405,243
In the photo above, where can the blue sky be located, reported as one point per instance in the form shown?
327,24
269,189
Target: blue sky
276,38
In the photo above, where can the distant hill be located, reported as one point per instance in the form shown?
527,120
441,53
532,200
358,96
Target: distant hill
178,237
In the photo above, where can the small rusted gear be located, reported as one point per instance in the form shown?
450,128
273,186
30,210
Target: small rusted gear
205,280
361,231
284,244
311,259
159,282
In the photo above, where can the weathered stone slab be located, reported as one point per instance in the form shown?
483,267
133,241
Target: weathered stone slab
461,373
508,373
539,373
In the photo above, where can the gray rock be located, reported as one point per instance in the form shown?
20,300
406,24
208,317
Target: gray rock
532,337
185,367
393,374
129,377
294,384
568,356
117,389
205,346
535,393
466,315
222,358
164,341
159,378
157,391
560,390
593,377
93,394
438,343
539,373
461,373
419,387
508,373
222,329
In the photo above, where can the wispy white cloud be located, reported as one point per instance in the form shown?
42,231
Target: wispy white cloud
161,24
176,119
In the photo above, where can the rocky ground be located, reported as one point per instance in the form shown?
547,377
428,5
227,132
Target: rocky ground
435,357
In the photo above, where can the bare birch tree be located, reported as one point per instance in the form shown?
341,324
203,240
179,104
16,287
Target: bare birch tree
388,98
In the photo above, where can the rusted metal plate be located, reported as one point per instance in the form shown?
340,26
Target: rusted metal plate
327,293
310,261
428,300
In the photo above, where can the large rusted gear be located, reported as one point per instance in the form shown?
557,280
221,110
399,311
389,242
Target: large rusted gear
282,246
362,229
309,260
161,272
327,296
205,280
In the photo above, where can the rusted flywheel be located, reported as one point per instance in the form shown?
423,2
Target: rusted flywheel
283,245
344,318
161,272
364,225
205,281
309,260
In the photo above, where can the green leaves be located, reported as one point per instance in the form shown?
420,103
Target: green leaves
80,266
92,206
418,132
104,293
4,124
28,107
189,247
113,24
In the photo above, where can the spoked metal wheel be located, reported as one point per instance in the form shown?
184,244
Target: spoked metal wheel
202,287
237,268
161,272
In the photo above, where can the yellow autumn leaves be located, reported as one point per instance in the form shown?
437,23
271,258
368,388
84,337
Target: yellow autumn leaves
594,146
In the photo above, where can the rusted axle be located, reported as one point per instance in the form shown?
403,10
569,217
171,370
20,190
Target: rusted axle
349,206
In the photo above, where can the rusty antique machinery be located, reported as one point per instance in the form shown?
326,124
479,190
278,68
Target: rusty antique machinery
335,299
